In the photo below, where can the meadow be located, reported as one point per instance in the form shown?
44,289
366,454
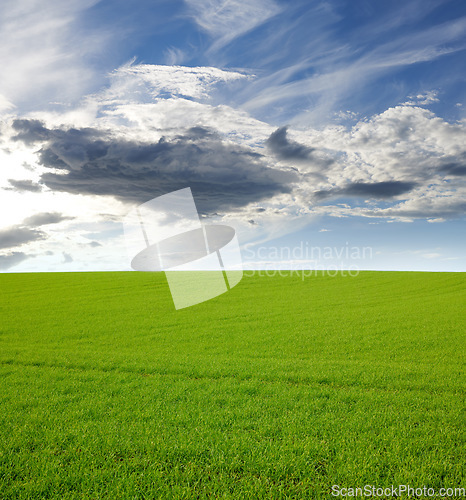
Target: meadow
280,388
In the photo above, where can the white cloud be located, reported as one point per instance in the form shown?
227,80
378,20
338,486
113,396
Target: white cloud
423,99
431,255
147,81
402,144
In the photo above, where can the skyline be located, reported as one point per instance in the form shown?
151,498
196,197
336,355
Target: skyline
327,124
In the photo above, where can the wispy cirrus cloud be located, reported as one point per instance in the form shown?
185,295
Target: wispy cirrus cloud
346,70
49,44
226,20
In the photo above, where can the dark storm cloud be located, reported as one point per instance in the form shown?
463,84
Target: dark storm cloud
25,185
12,259
457,169
285,149
221,175
18,235
453,165
30,131
387,189
45,218
381,190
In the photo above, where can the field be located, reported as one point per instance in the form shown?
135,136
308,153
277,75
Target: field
280,388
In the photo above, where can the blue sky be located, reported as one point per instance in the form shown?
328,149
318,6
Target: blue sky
331,124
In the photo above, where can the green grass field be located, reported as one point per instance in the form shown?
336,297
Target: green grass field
280,388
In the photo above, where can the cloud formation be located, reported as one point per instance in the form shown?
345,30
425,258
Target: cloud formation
61,46
335,72
85,133
29,131
151,80
368,190
285,149
25,185
405,153
455,168
225,20
16,236
222,175
45,218
12,259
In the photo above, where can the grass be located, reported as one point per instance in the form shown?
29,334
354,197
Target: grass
280,388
